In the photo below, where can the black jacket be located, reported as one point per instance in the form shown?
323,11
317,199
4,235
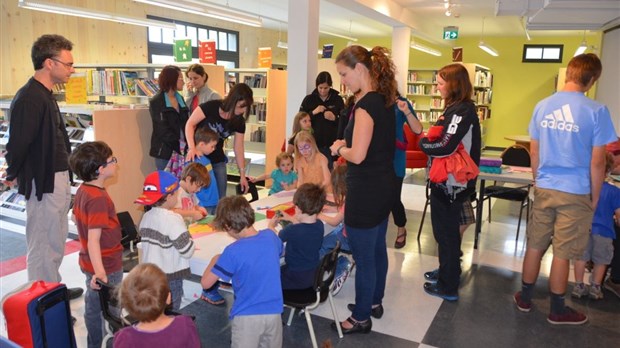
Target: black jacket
34,119
324,130
167,126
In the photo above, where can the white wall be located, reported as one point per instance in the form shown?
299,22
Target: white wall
608,88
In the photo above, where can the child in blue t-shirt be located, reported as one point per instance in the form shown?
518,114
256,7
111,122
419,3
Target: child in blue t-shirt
206,141
303,238
252,263
284,178
600,247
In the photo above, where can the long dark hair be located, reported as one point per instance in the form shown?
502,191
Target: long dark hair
379,64
239,92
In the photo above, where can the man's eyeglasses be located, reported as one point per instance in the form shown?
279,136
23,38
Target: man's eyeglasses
68,65
113,160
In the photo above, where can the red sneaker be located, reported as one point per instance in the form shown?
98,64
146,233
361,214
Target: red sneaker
569,317
522,306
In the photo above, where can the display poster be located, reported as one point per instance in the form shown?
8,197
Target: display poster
75,90
328,49
264,57
206,52
182,50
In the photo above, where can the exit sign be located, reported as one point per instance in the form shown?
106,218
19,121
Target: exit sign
450,33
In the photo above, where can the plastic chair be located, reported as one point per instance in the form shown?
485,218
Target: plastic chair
310,298
516,155
415,158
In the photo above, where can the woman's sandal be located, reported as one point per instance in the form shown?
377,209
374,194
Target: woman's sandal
357,326
401,239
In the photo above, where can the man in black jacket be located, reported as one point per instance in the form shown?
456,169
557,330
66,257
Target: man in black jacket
38,158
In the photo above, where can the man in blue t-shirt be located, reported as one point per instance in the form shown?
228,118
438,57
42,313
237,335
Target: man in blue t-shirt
252,263
569,132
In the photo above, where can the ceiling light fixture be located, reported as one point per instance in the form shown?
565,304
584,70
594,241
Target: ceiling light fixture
283,44
203,9
583,46
425,49
350,38
484,46
88,13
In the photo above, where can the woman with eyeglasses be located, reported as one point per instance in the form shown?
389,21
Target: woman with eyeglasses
169,114
226,117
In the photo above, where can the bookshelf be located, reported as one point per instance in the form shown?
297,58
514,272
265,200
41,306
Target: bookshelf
130,144
481,79
134,83
423,94
266,125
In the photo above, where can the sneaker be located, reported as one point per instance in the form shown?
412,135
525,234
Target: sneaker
432,276
212,297
595,292
569,317
342,273
521,305
579,290
613,287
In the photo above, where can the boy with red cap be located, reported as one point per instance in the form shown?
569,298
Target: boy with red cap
166,241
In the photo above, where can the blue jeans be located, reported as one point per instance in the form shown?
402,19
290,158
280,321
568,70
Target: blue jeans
370,255
176,292
329,241
161,163
219,170
92,309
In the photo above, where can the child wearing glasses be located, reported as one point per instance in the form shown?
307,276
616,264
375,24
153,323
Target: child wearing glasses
310,164
98,228
166,241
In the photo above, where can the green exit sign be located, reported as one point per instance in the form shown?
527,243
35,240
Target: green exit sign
450,33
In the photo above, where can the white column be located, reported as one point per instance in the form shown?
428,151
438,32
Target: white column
401,37
303,42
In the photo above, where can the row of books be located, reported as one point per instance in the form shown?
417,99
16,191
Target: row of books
255,133
256,81
433,103
483,96
423,90
414,77
483,79
260,110
119,82
428,116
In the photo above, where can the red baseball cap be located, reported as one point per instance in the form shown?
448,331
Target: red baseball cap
156,185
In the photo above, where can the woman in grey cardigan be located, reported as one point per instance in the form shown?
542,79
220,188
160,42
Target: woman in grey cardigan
197,90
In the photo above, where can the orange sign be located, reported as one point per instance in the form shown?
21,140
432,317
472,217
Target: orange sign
264,57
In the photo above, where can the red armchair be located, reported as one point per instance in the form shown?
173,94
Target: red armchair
415,158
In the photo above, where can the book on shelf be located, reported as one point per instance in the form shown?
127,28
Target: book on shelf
256,81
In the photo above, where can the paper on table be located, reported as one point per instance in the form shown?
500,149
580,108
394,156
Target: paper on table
521,169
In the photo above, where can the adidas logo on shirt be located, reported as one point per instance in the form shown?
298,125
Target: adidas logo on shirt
561,119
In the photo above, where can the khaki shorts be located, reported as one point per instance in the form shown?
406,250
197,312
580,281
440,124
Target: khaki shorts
562,219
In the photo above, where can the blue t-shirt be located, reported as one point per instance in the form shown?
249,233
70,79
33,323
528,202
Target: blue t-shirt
303,242
608,203
567,125
278,177
208,196
253,265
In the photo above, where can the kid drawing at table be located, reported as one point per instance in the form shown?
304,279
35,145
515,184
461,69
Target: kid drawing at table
206,141
145,294
284,178
301,122
345,265
303,238
310,163
252,263
166,241
600,247
193,178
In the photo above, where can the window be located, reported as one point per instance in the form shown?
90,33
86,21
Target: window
160,42
542,53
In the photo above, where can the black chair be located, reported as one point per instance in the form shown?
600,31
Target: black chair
128,230
310,298
516,155
253,191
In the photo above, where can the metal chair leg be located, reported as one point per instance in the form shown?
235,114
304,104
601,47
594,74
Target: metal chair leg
331,303
423,216
290,317
311,328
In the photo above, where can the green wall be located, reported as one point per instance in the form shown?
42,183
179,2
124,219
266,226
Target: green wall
517,86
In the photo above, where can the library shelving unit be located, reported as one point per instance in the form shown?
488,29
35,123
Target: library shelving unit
126,130
266,126
482,80
134,83
422,93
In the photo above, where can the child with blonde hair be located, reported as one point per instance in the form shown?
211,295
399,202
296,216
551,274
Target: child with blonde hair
301,122
284,178
145,294
310,164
